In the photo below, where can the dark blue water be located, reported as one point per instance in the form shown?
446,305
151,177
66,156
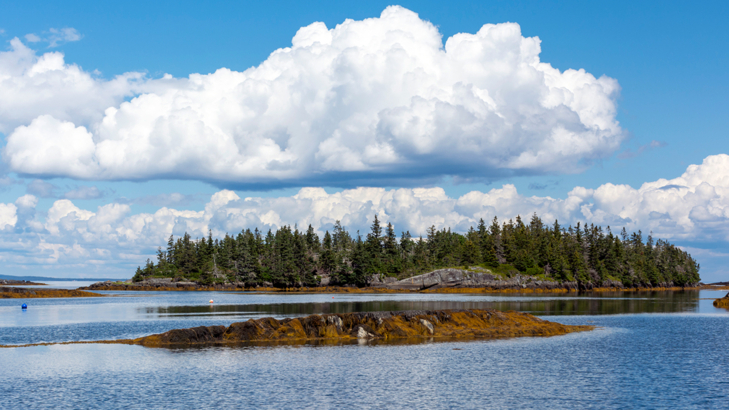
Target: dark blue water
673,357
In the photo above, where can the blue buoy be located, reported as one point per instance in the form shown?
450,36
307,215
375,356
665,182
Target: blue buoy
24,306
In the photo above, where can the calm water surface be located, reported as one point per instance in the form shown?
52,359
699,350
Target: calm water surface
652,350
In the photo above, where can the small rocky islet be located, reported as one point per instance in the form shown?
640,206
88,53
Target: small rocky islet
408,326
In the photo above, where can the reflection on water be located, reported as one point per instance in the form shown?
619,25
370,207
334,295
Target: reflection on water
412,341
601,304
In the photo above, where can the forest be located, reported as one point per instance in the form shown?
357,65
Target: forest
292,257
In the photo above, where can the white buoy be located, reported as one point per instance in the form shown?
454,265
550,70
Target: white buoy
211,301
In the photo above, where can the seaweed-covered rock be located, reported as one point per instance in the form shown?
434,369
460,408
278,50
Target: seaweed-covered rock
442,324
26,293
722,302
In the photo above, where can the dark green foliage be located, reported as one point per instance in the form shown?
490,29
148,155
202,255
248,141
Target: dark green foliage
287,257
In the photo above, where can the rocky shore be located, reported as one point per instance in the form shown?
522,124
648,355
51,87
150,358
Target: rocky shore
469,279
386,326
439,281
13,282
722,302
25,293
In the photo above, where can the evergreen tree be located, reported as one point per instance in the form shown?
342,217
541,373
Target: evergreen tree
287,257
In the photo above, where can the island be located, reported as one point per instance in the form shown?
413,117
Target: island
383,326
510,256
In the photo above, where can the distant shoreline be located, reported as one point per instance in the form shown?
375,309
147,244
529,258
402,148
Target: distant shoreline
13,282
49,279
27,293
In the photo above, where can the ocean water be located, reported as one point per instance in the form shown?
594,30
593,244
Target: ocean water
651,350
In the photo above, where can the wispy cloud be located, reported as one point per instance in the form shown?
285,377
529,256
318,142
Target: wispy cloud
33,38
539,186
627,153
45,189
55,37
172,199
61,36
42,189
84,192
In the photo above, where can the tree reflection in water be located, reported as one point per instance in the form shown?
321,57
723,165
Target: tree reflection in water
581,304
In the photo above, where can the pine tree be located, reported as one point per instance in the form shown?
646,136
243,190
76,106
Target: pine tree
393,262
471,254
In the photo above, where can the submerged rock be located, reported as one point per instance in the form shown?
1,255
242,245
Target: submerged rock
441,324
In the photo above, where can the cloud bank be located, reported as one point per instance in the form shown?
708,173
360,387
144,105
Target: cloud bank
693,209
373,102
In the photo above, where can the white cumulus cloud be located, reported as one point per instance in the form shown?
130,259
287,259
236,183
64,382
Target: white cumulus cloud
33,86
364,103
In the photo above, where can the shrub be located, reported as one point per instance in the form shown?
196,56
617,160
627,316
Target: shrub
507,270
534,271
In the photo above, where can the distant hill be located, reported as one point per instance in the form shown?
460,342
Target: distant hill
44,278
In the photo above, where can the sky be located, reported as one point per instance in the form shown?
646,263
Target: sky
124,123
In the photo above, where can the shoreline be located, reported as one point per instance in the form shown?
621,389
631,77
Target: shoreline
343,289
446,280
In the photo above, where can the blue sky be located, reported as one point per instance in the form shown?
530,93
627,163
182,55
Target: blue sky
668,58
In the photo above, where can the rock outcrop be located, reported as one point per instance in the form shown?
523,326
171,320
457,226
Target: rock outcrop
386,326
478,278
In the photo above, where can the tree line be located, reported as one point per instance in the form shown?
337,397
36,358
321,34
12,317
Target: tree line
292,257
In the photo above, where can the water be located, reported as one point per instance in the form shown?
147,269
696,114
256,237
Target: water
651,350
